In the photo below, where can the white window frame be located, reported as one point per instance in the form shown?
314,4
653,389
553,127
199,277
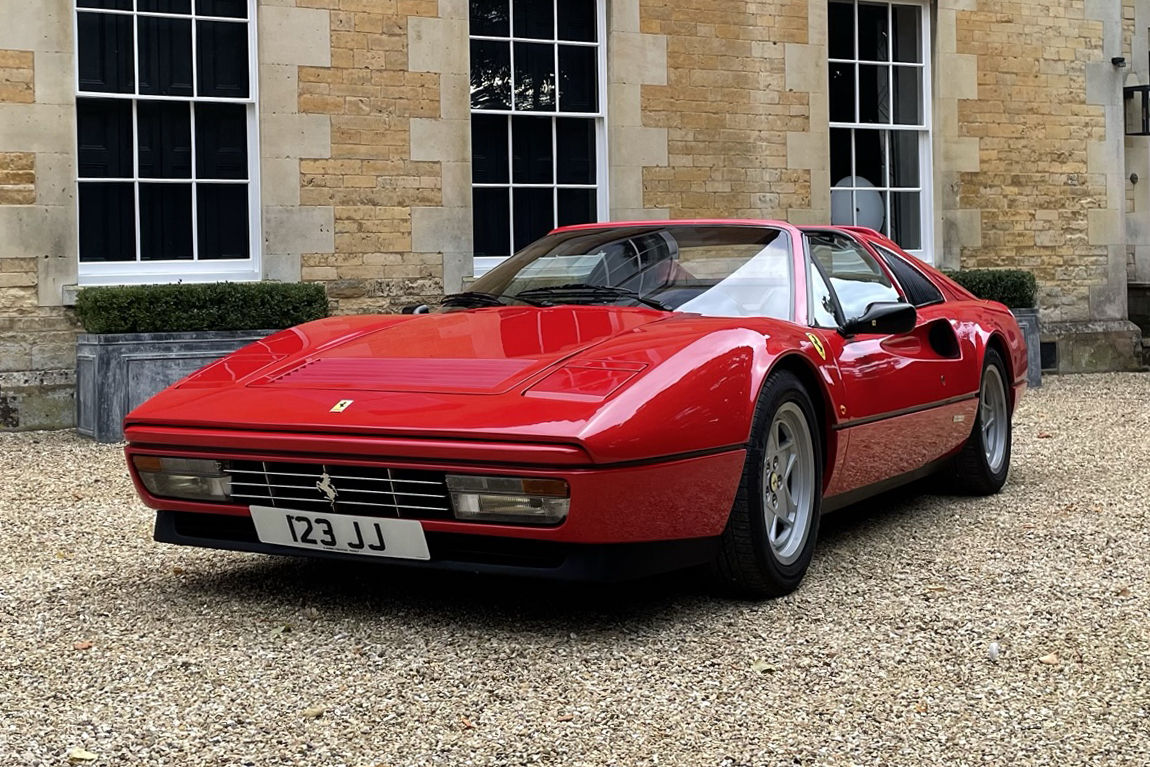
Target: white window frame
139,271
483,264
924,130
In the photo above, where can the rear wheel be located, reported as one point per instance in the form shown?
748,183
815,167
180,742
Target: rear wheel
770,535
982,466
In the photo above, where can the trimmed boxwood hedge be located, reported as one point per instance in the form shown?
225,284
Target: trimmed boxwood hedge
1016,288
200,307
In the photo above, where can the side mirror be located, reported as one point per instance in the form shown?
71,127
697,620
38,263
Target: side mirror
415,309
883,318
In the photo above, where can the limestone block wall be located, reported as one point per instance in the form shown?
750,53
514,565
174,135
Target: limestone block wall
37,219
388,142
1037,179
744,108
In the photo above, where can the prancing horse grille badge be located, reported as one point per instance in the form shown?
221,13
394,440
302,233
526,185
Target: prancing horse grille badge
327,488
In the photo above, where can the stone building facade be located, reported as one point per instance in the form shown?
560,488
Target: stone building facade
391,149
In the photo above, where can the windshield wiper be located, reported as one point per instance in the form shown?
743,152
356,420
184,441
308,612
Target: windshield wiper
580,290
474,298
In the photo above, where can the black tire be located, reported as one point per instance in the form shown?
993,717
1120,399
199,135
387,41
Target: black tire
746,564
971,472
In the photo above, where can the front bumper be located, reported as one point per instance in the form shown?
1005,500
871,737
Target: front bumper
462,552
624,521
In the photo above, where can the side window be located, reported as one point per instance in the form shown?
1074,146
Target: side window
855,276
919,290
822,308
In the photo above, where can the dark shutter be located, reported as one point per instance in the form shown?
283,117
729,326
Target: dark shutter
105,52
222,59
104,138
165,56
221,141
107,222
165,139
223,220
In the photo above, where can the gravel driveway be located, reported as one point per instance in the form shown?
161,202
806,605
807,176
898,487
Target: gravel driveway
145,654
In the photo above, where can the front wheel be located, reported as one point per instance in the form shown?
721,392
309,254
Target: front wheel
770,536
982,466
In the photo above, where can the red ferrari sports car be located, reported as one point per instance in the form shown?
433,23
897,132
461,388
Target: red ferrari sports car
615,400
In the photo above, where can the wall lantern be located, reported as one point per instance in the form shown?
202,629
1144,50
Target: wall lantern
1137,110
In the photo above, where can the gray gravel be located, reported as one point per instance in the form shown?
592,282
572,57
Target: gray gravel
931,630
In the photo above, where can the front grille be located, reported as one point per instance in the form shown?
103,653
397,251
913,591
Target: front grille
378,491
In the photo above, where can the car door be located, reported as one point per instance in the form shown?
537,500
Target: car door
904,400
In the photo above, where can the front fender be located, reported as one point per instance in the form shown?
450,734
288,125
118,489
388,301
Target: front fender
700,395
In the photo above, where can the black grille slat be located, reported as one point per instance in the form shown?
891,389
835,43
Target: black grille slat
363,490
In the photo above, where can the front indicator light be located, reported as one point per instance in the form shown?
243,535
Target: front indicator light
509,499
190,479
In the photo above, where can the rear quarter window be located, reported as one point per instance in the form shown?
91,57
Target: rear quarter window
918,289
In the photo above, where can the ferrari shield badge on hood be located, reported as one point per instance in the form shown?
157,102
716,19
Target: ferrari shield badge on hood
342,405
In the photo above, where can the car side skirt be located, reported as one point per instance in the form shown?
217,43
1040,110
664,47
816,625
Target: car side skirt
842,500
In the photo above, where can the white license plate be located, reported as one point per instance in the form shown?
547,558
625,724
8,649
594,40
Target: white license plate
369,536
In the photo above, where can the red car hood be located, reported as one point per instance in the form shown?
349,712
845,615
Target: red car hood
622,383
407,374
476,352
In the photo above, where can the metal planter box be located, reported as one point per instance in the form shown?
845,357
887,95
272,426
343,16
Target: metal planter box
115,372
1028,322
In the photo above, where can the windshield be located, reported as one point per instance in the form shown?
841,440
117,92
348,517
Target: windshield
719,271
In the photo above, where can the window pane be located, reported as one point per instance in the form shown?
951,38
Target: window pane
107,222
221,141
112,5
575,151
165,56
855,276
841,30
165,6
490,75
534,19
491,221
904,158
841,166
165,138
907,96
577,20
531,161
874,94
907,33
165,222
906,220
105,52
842,95
534,215
873,31
104,138
489,18
870,158
237,9
223,220
578,80
534,77
577,206
842,208
222,59
488,149
822,309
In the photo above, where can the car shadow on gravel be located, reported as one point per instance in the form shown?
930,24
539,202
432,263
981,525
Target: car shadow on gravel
371,590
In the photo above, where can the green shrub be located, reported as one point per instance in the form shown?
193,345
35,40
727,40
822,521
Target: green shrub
1016,288
196,307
